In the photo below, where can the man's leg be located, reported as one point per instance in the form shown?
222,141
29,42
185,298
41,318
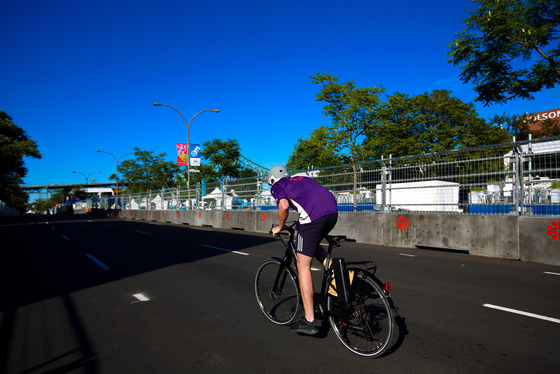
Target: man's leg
321,255
306,285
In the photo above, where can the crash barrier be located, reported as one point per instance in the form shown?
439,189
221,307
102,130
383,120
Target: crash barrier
535,239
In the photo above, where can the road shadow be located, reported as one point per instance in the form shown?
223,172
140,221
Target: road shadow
41,329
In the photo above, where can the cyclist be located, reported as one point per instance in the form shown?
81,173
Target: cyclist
318,214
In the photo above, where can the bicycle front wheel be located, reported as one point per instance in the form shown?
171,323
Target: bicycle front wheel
367,328
277,292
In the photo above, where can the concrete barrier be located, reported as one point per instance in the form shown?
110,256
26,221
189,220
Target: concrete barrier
535,239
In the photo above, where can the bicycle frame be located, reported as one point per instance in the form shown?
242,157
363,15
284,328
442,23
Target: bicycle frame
338,267
289,258
360,310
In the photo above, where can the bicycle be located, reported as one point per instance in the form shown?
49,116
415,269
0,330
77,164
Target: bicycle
358,305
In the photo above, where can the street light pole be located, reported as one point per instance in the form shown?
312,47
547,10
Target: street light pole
117,160
87,177
188,144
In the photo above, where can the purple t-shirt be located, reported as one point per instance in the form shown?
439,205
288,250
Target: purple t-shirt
309,198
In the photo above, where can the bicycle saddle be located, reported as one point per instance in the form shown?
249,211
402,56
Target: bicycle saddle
335,240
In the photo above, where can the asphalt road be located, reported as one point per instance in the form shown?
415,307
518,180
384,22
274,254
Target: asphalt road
86,294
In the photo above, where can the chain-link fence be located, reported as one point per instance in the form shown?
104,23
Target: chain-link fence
520,178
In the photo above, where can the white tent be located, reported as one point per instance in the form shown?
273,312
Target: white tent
158,203
214,199
265,198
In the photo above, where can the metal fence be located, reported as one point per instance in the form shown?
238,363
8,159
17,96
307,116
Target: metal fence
518,178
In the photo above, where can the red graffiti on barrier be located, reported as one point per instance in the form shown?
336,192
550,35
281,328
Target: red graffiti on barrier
554,230
402,223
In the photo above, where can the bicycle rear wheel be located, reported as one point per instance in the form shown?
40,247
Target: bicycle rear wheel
277,292
367,328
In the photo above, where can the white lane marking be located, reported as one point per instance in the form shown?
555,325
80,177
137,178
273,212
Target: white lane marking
226,250
316,269
406,255
108,225
551,273
53,228
99,263
64,236
143,232
520,312
140,297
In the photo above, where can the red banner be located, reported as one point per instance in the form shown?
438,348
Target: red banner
182,154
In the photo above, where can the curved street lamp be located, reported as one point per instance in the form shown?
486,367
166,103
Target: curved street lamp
87,177
117,160
188,143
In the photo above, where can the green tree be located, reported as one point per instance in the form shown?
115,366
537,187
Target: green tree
352,111
513,125
223,157
14,145
147,172
314,152
57,196
431,122
509,49
549,128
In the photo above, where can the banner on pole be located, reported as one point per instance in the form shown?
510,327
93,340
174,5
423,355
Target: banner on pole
195,154
182,154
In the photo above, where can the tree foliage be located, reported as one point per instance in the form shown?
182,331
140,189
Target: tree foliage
58,196
509,49
14,146
352,111
314,152
147,172
223,157
431,122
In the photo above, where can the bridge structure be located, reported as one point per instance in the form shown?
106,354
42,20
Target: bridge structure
43,190
58,187
47,188
248,164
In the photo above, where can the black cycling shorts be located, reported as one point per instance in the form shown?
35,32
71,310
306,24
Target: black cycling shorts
310,234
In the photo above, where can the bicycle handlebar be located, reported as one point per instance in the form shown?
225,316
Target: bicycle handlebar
289,227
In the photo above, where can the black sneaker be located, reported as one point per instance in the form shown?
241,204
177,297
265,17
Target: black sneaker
305,327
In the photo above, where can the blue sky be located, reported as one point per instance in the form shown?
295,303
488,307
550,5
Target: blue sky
79,76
